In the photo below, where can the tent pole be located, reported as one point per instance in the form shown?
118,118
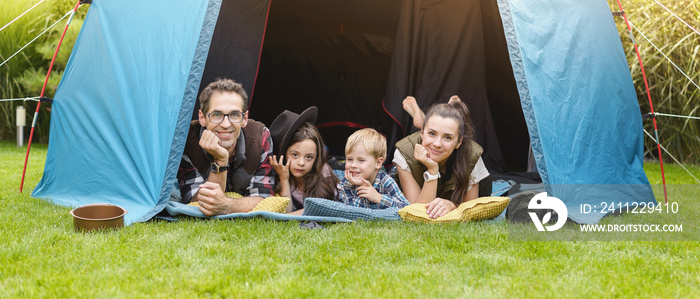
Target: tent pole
646,84
43,89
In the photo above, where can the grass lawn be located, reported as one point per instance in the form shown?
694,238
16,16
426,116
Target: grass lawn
41,255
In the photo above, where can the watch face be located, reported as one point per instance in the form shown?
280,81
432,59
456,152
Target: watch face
215,168
428,177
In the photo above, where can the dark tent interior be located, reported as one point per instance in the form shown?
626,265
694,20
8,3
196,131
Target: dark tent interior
357,60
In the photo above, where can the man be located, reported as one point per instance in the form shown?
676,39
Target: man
226,152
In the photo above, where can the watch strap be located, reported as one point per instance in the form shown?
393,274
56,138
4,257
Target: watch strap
430,177
216,168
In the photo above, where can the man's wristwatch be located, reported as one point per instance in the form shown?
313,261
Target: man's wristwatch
430,177
215,168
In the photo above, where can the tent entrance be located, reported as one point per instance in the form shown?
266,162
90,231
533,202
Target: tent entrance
357,60
335,55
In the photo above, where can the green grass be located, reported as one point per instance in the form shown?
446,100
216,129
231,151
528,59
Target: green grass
674,173
41,256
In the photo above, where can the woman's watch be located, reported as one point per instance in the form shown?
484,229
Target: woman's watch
215,168
430,177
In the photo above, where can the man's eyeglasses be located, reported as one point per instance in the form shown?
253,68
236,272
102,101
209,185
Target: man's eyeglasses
218,117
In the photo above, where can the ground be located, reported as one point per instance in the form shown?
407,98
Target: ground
42,256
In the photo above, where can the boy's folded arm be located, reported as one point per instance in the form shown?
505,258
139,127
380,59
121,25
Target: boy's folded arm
395,201
393,197
345,195
386,201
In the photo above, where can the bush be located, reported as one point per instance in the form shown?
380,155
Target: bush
21,75
671,92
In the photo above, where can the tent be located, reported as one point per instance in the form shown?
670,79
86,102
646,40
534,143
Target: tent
550,74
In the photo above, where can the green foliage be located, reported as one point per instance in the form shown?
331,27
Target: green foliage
60,7
671,92
19,77
47,48
12,39
33,80
42,256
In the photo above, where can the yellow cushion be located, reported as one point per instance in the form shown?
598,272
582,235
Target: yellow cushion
275,204
233,195
478,209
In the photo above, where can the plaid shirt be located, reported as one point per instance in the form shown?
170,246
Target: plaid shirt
262,183
383,183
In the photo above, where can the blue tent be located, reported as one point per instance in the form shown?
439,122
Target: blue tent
547,73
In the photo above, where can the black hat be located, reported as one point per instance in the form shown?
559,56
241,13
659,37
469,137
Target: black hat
284,126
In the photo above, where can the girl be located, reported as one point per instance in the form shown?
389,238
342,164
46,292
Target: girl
306,172
441,165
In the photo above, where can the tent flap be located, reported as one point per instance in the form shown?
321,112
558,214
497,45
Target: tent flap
579,102
114,116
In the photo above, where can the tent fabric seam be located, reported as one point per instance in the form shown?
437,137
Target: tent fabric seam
523,90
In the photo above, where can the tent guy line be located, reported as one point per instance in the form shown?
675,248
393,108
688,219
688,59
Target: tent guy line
24,13
674,158
662,53
677,17
36,99
42,33
678,116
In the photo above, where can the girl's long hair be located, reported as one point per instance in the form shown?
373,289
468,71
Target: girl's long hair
316,182
461,164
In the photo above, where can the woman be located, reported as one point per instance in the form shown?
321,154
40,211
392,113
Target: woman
441,165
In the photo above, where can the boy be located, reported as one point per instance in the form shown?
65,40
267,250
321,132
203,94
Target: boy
366,183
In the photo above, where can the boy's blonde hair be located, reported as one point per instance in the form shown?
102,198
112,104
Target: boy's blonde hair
370,139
